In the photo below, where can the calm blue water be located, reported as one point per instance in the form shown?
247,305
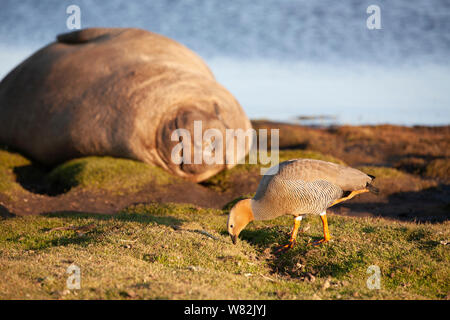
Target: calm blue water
283,58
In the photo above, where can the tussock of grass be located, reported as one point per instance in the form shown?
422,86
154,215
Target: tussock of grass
106,173
352,133
8,161
7,183
166,251
439,168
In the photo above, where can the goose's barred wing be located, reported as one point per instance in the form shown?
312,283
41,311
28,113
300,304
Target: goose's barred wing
308,170
304,186
288,196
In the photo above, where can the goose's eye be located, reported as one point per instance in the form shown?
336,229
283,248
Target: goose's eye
231,226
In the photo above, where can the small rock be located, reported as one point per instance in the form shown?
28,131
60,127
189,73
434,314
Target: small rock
309,277
127,246
355,294
67,261
65,292
194,268
149,257
128,294
281,294
247,275
131,293
326,284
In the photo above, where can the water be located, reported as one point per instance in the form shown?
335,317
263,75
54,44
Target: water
285,58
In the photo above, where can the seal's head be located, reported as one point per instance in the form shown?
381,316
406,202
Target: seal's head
183,146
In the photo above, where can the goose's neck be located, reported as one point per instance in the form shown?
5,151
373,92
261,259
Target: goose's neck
256,209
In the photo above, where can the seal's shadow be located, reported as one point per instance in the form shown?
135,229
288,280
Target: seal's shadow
35,178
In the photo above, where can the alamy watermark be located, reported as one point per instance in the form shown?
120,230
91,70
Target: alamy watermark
374,20
209,146
73,21
374,281
74,279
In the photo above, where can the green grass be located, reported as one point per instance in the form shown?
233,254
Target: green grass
90,173
175,251
180,251
8,161
107,173
439,168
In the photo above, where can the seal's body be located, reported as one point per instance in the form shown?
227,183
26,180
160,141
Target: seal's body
115,92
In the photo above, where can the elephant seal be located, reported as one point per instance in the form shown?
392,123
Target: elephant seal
117,92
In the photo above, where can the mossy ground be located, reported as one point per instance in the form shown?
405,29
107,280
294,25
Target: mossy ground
170,251
114,175
107,173
8,161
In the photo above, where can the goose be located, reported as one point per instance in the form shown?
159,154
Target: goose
299,187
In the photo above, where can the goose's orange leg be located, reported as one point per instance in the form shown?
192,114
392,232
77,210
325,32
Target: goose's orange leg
326,232
293,237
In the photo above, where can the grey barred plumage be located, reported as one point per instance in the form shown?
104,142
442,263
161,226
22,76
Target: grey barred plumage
304,186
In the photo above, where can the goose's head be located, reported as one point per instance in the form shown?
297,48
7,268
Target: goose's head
240,215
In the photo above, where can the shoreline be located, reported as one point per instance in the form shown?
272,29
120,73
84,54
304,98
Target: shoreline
343,124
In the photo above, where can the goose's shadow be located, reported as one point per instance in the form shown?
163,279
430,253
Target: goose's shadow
292,261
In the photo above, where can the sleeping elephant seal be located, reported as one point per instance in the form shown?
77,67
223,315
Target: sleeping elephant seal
114,92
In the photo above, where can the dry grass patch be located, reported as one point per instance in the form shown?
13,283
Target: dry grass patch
169,251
